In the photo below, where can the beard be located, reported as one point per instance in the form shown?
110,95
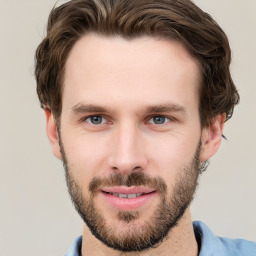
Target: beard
137,236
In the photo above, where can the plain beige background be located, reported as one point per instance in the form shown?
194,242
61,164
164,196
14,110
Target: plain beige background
36,215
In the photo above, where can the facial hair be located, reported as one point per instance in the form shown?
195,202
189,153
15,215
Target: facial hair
154,230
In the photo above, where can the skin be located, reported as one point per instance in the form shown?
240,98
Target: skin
130,80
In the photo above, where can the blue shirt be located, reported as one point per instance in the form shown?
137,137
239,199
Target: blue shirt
209,244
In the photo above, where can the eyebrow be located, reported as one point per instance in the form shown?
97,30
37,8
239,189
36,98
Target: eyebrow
170,107
88,108
148,109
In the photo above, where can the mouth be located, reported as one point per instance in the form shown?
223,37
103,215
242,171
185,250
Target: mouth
126,199
126,195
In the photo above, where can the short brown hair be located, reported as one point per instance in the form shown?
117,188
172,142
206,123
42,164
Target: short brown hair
170,19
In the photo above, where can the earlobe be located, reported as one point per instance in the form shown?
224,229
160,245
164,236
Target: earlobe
211,137
52,133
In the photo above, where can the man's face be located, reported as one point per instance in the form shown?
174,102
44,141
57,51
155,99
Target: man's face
130,136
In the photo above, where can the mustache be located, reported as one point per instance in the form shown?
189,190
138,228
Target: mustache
133,179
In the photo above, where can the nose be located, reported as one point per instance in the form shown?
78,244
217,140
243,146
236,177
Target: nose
128,153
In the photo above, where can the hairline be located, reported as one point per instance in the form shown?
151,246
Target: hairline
130,38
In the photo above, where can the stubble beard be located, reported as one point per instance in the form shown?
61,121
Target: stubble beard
137,236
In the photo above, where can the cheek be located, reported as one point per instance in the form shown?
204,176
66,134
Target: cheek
86,157
169,155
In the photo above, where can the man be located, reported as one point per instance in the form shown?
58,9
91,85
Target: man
135,95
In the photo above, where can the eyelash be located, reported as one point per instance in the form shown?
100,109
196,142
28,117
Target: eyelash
147,120
161,116
91,116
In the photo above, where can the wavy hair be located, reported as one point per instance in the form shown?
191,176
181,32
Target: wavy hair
169,19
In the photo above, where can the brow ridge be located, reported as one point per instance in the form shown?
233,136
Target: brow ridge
148,109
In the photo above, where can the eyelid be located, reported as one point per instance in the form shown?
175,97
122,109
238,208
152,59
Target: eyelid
107,119
84,119
157,115
103,118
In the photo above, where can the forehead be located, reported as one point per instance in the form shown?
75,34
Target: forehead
146,69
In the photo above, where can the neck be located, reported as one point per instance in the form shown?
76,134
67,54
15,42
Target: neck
180,241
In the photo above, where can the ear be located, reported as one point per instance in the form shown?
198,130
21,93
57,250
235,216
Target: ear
52,133
211,137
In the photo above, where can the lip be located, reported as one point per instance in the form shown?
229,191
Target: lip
127,204
128,190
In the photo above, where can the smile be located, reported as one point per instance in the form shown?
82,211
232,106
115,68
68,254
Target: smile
125,199
125,195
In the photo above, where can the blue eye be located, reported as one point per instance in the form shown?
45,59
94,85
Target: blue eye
95,120
159,120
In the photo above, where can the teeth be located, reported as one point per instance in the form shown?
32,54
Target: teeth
126,195
122,195
131,195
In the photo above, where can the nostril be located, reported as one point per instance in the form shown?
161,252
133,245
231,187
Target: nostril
137,168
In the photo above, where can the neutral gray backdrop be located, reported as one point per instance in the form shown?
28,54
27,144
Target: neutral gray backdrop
36,215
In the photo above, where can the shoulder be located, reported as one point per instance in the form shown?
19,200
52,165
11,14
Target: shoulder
212,245
75,248
239,246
